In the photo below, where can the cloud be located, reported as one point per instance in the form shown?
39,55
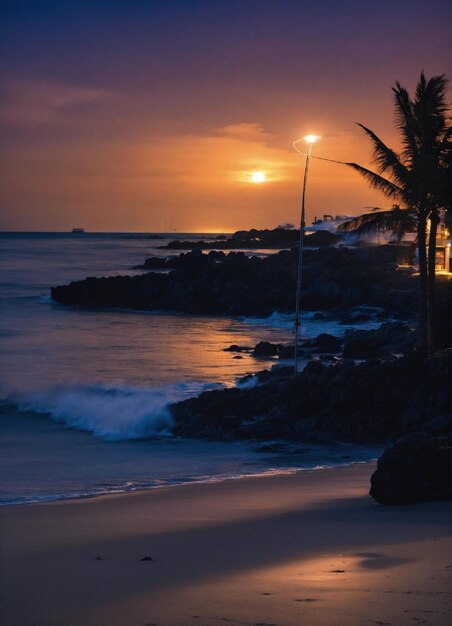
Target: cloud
221,159
31,103
244,131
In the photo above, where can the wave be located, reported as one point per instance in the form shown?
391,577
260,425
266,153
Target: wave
313,325
113,413
275,320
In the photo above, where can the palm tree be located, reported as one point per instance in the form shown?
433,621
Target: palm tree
418,178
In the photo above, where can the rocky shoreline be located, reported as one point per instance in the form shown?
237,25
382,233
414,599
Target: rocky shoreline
335,279
368,386
278,238
376,401
373,401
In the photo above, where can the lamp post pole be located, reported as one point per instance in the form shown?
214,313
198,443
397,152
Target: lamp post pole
311,139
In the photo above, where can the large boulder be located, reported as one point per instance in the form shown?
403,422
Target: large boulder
328,343
288,351
322,238
153,263
265,348
394,337
418,468
235,348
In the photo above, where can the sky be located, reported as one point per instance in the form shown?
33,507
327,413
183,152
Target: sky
151,115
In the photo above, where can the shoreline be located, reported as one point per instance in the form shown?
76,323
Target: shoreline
307,549
211,480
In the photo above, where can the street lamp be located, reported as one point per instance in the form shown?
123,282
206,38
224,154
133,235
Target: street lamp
310,139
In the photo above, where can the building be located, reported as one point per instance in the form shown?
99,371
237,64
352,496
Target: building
443,248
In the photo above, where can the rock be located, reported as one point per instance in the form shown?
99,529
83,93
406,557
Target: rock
235,348
329,358
418,468
328,343
235,284
245,380
248,239
322,238
358,318
265,348
438,426
392,337
375,401
153,263
288,352
275,374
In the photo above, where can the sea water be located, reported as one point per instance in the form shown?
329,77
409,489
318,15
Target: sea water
85,394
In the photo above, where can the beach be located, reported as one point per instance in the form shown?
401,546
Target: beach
309,548
225,314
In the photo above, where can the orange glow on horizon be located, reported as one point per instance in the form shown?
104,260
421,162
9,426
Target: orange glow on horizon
133,186
154,111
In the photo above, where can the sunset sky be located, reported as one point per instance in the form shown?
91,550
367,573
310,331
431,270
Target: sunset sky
140,115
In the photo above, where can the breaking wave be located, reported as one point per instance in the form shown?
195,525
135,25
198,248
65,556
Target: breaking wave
314,323
113,413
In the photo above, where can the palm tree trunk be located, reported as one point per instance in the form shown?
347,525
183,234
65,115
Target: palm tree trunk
431,271
422,319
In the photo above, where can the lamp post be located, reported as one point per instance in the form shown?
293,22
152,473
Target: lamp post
310,139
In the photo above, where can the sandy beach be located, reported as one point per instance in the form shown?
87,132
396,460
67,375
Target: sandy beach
308,549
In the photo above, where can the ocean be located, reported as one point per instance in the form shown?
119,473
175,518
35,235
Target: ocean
84,394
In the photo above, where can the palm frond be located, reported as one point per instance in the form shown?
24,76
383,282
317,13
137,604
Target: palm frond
388,188
444,151
406,123
397,221
431,107
386,159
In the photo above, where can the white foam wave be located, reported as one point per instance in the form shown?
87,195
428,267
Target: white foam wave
275,320
247,382
311,327
113,413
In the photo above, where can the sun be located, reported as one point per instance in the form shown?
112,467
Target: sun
258,177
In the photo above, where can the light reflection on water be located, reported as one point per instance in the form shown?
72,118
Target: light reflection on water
46,344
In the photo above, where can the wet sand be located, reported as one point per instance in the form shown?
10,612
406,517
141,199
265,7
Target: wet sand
309,549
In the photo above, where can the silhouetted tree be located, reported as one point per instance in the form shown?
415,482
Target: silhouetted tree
418,178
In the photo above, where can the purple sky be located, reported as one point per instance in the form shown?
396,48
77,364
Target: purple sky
128,115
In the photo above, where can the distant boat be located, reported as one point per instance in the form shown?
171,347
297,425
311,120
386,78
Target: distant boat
78,231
